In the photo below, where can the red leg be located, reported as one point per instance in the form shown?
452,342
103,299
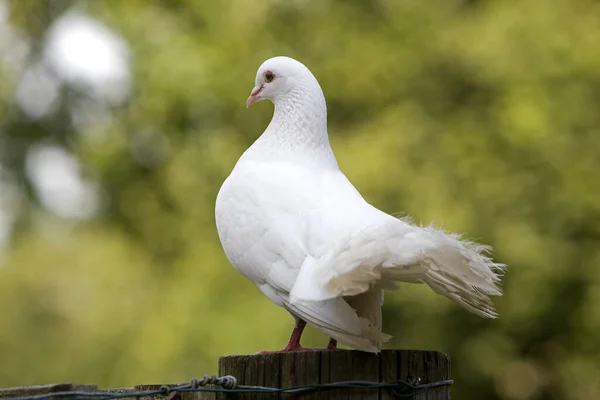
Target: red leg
294,342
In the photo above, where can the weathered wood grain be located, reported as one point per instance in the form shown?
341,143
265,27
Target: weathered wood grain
330,366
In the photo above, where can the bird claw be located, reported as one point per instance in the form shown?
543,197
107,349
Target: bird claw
332,345
291,350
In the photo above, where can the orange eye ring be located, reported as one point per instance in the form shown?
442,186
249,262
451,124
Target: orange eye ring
269,76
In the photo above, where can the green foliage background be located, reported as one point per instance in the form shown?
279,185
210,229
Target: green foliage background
480,115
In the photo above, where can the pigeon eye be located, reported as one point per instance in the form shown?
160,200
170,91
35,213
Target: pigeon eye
269,76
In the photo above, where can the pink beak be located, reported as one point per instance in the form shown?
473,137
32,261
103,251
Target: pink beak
254,96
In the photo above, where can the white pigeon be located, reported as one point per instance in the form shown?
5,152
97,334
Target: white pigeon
292,223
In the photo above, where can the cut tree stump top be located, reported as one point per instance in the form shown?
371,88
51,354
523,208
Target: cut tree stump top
329,366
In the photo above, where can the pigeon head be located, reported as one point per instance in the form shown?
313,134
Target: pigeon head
280,78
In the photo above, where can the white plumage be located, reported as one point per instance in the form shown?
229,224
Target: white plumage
291,222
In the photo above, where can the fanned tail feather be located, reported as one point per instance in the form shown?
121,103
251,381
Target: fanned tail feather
399,252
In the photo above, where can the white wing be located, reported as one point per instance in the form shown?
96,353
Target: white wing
267,220
375,250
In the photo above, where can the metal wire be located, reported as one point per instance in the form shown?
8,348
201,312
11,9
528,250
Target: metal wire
228,384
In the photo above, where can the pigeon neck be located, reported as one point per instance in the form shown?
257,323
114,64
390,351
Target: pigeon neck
298,130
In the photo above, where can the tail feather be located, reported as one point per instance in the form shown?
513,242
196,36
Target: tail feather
341,321
400,252
368,308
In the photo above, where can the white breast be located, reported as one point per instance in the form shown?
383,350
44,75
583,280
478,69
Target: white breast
261,219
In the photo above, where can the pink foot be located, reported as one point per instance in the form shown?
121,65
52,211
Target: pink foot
294,343
332,345
290,350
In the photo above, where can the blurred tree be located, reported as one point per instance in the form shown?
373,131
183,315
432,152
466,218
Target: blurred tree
119,120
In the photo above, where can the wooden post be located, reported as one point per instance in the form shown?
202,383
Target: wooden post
328,366
284,370
36,390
